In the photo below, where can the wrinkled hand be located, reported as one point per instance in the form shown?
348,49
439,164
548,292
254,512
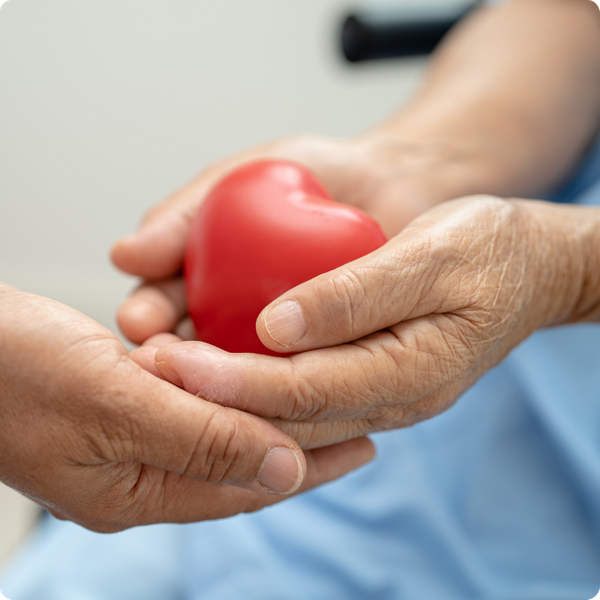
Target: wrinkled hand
387,176
395,337
97,440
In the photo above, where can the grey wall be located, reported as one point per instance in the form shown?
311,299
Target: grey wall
106,106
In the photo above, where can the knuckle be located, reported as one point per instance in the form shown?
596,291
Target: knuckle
350,304
411,366
314,396
217,449
306,400
304,395
488,203
112,437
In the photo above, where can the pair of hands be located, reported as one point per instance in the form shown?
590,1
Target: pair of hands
386,341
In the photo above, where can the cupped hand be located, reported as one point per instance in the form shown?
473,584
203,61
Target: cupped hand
96,439
389,177
395,337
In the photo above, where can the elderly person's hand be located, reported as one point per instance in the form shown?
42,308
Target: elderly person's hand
395,337
387,175
97,440
487,119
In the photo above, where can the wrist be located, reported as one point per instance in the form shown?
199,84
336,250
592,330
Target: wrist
433,165
495,146
586,306
564,262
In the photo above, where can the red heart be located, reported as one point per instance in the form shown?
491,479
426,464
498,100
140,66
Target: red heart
265,228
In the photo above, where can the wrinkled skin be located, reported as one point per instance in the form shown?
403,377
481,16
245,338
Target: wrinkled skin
97,440
410,334
395,337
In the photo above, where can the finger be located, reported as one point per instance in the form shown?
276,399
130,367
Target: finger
414,274
180,499
144,357
152,309
162,339
318,435
311,435
308,435
156,250
165,427
356,381
331,462
349,303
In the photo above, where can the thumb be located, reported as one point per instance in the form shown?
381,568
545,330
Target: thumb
379,290
168,428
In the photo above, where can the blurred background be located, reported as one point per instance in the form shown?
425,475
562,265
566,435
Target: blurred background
107,106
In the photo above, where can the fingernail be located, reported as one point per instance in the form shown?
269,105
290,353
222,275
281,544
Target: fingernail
169,373
281,471
285,323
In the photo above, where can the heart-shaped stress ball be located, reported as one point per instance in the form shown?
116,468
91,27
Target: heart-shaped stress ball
265,228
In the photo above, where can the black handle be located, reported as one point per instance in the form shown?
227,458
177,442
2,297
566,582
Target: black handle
395,33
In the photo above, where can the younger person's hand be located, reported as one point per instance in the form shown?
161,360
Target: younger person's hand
94,438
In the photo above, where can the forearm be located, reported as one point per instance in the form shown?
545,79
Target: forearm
517,88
